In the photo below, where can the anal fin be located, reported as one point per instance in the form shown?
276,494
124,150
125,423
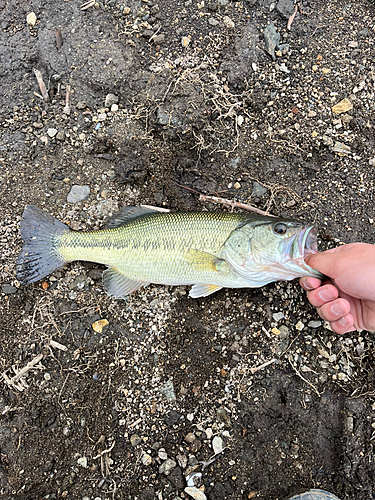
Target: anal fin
201,290
118,285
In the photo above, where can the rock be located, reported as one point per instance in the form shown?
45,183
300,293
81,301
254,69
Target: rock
223,415
228,22
60,136
114,108
168,390
51,132
278,316
159,39
314,324
102,117
195,493
99,325
185,40
342,107
110,99
146,459
212,21
371,162
217,444
300,326
31,19
82,461
285,8
172,417
283,68
162,454
78,193
190,437
194,479
9,289
167,467
176,478
135,440
258,190
341,149
81,105
271,40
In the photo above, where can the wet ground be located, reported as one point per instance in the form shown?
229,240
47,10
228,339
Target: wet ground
243,394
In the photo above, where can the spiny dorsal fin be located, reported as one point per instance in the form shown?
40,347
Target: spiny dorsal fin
126,215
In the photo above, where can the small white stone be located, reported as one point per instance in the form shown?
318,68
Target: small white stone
190,417
300,326
114,108
47,376
102,117
195,493
82,461
146,459
185,40
51,132
254,66
278,316
228,22
31,19
217,445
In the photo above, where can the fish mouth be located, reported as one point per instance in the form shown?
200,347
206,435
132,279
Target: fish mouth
307,241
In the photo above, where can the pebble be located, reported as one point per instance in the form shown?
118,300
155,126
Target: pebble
31,19
190,437
342,107
371,162
194,479
228,22
217,445
168,390
222,415
114,108
341,149
195,493
158,39
314,324
51,132
98,326
278,316
135,440
167,466
102,117
283,68
78,193
172,417
185,40
110,99
212,21
47,377
271,40
146,459
81,105
300,326
82,461
258,190
8,289
162,454
60,136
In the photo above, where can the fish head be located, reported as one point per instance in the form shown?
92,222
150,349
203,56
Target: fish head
271,249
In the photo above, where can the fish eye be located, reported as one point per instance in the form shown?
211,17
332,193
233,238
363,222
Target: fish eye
280,228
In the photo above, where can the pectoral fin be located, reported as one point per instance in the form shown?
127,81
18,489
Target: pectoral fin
203,261
118,285
200,290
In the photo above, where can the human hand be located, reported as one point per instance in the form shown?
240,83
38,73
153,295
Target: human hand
347,297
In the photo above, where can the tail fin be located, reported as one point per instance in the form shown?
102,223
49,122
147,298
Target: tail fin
39,256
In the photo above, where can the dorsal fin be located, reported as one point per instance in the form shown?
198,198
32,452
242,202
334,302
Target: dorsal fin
126,215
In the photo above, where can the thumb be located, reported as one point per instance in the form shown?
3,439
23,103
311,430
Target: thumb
325,262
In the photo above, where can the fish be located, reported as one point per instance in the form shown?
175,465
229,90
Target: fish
139,246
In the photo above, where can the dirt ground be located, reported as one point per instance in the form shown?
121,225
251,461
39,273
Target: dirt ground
243,394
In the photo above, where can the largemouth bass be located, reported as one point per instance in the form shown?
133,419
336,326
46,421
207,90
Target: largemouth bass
140,246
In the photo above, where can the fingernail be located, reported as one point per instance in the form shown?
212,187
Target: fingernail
343,321
308,287
326,295
337,309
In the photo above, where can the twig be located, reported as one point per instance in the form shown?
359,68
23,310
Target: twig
66,109
13,381
233,204
59,42
260,367
57,345
42,87
305,380
157,209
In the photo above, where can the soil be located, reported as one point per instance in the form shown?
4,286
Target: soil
130,411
